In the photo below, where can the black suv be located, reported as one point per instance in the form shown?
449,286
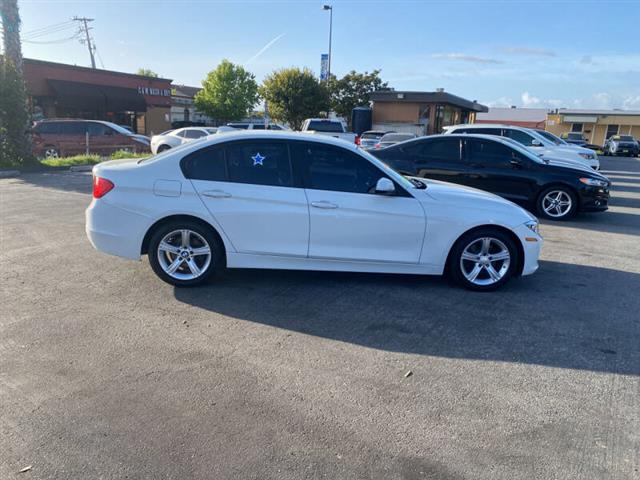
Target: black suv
555,189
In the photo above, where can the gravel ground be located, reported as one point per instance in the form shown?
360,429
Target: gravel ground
106,372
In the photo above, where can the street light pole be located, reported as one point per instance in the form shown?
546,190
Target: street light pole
330,8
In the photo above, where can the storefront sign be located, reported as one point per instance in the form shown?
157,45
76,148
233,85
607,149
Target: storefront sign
159,92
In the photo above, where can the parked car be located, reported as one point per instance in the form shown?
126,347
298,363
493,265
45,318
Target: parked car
560,142
301,202
621,145
329,127
533,140
574,138
256,126
65,137
370,138
392,138
173,138
555,189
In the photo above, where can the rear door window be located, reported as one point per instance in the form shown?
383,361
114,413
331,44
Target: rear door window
194,134
259,163
488,152
97,129
444,149
521,137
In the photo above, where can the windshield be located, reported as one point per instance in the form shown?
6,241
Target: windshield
401,179
211,131
119,129
626,138
551,137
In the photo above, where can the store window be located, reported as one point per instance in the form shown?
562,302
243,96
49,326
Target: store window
576,127
612,130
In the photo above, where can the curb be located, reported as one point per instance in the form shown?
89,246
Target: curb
81,168
9,173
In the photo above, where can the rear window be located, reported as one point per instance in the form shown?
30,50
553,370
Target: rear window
325,126
372,135
397,137
47,127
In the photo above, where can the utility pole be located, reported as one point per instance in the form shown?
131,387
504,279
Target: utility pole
85,27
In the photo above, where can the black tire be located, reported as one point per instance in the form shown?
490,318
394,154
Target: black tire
455,263
566,191
162,148
214,266
51,151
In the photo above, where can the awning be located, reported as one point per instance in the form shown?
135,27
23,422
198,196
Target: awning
98,97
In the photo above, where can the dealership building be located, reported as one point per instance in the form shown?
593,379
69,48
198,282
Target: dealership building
58,90
595,125
422,113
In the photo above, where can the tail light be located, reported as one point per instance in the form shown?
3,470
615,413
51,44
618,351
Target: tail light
357,140
101,186
377,145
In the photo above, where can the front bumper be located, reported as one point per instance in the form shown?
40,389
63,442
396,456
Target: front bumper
594,199
531,245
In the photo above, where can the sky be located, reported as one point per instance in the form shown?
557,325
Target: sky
545,54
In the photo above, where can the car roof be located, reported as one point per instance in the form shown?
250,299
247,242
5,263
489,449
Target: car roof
214,139
486,125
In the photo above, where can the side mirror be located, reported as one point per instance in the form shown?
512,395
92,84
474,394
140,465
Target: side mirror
384,186
536,143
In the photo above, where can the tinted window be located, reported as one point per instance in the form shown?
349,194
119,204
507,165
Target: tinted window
72,128
259,162
180,133
372,135
325,126
448,149
485,151
325,167
397,137
484,131
626,138
275,127
258,126
47,127
96,129
194,134
520,137
238,125
205,164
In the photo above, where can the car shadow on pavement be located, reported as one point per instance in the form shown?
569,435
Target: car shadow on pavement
565,316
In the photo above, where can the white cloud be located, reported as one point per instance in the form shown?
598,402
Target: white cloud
529,100
465,58
530,51
501,102
631,103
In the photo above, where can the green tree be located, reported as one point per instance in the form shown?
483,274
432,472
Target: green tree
353,90
147,72
228,92
15,148
293,95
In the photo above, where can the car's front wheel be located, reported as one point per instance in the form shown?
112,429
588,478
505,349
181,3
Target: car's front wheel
483,260
557,203
185,253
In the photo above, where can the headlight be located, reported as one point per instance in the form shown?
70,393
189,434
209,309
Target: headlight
533,225
586,156
594,182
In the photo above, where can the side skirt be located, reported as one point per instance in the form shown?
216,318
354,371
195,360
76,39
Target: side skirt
244,260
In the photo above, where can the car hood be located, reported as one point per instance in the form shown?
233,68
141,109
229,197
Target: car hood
472,198
567,163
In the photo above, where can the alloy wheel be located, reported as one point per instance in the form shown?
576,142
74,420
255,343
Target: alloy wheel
485,261
184,254
51,153
557,203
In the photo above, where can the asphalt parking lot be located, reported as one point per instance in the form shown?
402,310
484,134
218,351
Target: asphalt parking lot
106,372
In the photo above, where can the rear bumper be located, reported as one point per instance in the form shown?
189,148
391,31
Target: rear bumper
115,231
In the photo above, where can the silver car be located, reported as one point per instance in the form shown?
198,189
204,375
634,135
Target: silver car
393,138
370,138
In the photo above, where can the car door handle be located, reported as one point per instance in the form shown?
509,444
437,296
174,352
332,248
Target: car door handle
216,194
324,204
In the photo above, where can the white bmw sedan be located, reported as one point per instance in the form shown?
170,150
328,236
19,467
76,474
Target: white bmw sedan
297,201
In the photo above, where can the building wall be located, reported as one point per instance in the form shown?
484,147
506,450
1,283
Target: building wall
157,120
595,132
395,112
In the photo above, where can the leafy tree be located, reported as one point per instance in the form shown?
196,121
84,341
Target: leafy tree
353,90
228,92
147,72
293,95
15,148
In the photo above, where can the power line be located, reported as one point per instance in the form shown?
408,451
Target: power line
46,42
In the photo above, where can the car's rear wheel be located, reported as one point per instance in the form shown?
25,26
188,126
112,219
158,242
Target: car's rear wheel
557,203
162,148
483,260
185,253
